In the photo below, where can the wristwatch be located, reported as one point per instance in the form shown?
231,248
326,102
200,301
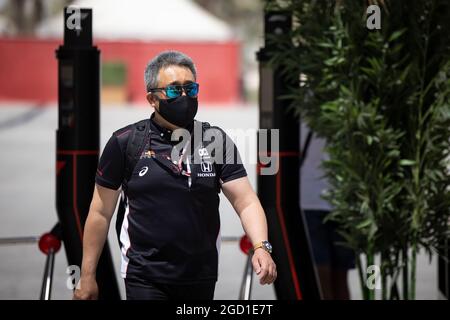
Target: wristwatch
264,245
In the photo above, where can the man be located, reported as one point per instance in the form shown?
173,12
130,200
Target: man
170,229
332,259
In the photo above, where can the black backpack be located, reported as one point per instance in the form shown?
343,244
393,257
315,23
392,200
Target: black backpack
135,146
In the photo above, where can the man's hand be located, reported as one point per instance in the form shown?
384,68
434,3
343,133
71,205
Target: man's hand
88,289
246,203
102,208
264,266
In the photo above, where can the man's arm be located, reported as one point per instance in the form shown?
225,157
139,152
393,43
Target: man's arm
246,203
102,208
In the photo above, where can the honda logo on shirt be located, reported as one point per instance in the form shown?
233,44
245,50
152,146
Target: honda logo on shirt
206,166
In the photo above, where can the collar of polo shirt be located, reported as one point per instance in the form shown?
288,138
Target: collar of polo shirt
164,132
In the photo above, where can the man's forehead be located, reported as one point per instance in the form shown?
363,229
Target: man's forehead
174,73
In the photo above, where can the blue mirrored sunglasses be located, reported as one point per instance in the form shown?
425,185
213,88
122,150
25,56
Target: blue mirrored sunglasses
174,91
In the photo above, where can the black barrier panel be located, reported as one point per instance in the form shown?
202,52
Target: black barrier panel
444,268
279,193
78,140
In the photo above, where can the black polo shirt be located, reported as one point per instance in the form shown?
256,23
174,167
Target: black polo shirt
171,228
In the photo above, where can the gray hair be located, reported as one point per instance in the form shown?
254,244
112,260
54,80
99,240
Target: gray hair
165,59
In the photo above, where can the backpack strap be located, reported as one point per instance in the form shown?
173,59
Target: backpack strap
205,126
135,146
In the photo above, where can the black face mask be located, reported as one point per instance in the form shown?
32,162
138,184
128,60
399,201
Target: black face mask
179,111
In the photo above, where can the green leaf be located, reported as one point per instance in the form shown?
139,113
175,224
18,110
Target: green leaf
407,162
364,224
393,153
397,34
373,230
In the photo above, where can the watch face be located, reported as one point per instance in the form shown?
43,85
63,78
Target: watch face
267,246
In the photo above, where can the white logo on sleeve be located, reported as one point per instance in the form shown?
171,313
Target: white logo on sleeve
143,171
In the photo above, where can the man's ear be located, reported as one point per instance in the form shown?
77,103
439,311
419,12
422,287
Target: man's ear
151,98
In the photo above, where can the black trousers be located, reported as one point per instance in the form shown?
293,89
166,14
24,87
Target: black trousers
144,290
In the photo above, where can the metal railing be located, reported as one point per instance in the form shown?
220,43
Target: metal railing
46,290
247,280
50,243
18,240
245,290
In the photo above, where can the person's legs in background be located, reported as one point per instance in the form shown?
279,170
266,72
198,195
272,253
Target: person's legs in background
339,284
319,240
332,260
342,260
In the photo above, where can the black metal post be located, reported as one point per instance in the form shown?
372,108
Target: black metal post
78,140
444,268
279,193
